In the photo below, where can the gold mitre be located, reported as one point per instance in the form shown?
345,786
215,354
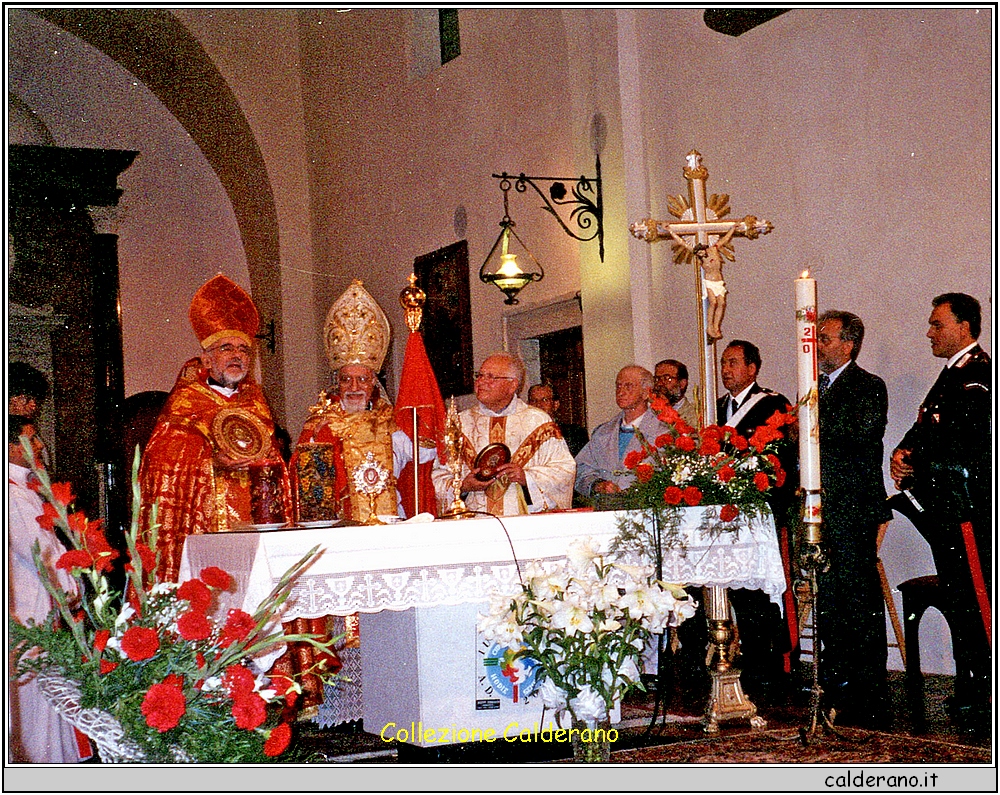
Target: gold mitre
356,330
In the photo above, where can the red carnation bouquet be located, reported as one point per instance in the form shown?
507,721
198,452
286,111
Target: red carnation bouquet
715,466
182,684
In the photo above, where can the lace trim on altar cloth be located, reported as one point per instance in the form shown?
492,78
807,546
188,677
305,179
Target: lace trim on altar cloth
731,563
342,703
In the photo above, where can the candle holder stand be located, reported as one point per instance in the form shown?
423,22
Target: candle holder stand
727,700
812,561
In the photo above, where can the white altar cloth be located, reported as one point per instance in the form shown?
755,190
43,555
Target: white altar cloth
399,566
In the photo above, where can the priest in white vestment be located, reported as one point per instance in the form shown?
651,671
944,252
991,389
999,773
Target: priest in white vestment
541,470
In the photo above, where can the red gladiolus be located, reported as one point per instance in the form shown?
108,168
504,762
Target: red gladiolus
63,493
779,477
659,404
97,544
644,472
238,681
632,458
663,440
140,643
249,711
107,666
761,482
278,740
237,627
194,625
673,495
725,473
215,577
728,513
101,640
763,436
164,706
197,594
75,559
692,495
48,518
670,416
146,557
777,419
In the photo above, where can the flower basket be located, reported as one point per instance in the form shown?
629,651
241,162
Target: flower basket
101,727
147,670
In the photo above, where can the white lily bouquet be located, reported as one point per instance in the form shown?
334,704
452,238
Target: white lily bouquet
584,623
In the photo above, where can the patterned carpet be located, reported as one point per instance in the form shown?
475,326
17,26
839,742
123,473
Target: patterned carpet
680,740
781,746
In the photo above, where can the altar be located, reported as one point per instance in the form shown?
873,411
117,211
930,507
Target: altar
419,587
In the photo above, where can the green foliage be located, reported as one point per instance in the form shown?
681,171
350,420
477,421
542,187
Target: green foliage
181,684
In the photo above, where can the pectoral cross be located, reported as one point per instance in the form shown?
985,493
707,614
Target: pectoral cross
701,224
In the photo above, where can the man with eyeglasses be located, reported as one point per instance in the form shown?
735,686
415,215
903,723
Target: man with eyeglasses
214,441
670,382
539,475
352,420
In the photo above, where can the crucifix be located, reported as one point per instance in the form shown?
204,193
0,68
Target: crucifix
703,235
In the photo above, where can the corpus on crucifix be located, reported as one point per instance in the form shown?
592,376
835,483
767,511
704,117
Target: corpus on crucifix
703,235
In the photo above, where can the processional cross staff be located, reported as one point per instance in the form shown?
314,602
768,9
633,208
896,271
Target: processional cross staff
702,235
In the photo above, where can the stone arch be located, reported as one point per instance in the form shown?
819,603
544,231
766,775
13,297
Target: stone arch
155,47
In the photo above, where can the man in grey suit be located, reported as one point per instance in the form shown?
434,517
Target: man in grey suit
599,465
853,406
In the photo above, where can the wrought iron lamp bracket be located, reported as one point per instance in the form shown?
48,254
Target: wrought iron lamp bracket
586,207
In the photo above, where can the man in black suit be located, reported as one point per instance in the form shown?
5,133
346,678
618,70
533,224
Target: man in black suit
765,637
853,406
944,464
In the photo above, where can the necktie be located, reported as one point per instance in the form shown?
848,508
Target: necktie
625,436
733,406
824,383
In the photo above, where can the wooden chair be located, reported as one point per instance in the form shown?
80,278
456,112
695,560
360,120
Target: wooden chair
919,594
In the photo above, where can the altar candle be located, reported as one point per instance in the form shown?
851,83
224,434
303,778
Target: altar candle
805,319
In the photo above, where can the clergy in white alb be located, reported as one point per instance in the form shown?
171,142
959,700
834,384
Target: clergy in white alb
541,471
37,733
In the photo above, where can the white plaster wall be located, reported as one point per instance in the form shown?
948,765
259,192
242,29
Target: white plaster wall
257,52
865,136
401,155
